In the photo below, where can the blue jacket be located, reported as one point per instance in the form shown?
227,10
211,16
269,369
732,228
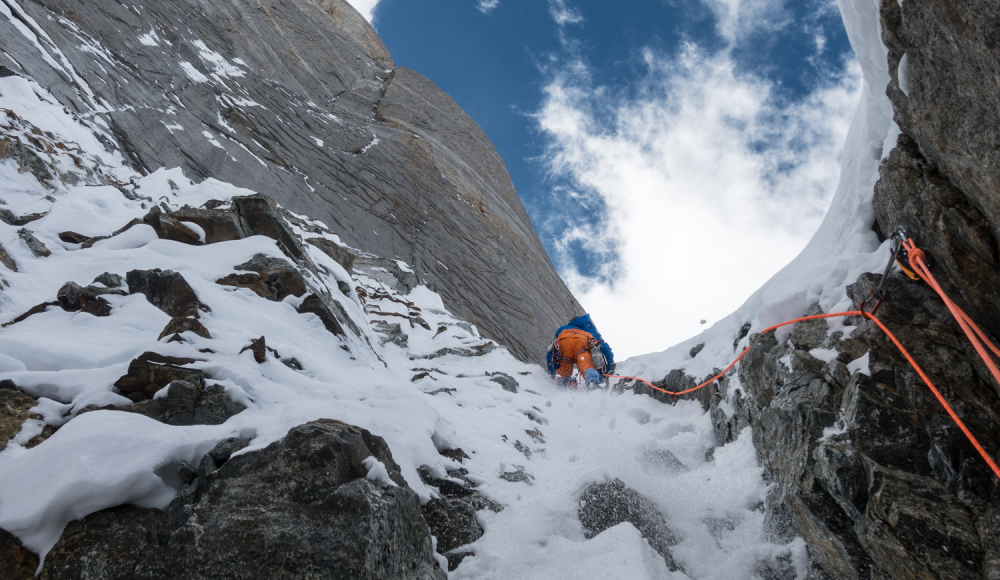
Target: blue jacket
585,324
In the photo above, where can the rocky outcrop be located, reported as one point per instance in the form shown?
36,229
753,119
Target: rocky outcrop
150,372
72,297
105,544
302,507
452,516
166,290
605,505
299,99
273,278
942,60
869,468
189,401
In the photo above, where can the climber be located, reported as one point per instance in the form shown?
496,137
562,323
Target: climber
581,344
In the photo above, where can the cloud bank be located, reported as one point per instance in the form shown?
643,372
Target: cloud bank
705,181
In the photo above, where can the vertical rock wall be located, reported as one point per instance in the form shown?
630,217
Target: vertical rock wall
299,100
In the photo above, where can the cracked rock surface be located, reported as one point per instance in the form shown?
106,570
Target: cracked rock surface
301,100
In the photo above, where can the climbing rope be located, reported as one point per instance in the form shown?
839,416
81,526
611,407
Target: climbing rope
726,370
917,260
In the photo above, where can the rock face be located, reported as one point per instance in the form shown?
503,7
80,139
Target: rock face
189,402
452,516
301,101
105,544
16,562
300,508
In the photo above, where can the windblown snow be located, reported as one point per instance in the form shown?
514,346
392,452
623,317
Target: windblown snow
418,399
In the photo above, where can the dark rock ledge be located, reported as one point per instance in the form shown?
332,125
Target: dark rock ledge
302,507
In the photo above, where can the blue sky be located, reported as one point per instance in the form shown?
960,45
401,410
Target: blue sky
672,154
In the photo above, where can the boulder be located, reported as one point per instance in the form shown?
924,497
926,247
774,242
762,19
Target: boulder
73,297
452,516
259,348
605,505
388,272
274,278
34,244
315,305
8,217
150,372
392,333
507,382
173,229
477,350
258,215
109,280
339,253
301,507
27,160
105,544
167,290
73,237
178,325
810,334
189,402
218,225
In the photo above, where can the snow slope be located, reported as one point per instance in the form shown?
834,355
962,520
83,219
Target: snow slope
105,458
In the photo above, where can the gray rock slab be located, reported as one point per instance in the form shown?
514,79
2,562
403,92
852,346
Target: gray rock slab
308,108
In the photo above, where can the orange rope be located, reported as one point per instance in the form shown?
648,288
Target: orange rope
720,375
961,317
917,257
940,398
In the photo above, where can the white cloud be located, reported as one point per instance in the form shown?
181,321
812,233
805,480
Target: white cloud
735,19
485,6
563,14
710,186
365,7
